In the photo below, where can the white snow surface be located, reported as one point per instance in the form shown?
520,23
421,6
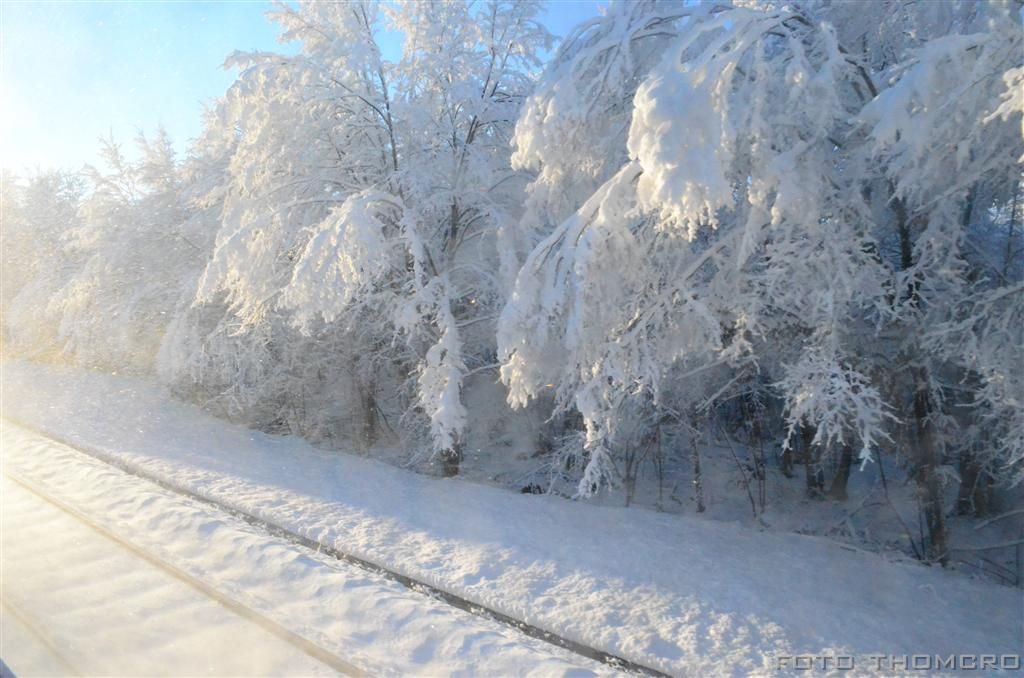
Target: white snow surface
103,610
77,603
686,596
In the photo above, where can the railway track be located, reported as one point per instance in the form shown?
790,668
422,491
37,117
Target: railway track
304,645
15,610
278,531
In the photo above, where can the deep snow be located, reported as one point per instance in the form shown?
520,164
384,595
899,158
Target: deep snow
687,596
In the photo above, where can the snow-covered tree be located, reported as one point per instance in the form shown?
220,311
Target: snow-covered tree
137,256
774,152
666,262
369,191
38,213
945,136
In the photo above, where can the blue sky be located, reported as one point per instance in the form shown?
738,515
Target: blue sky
73,71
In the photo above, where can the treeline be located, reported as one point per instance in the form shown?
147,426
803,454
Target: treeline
792,225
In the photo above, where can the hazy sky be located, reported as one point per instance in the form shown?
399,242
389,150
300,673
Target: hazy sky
73,71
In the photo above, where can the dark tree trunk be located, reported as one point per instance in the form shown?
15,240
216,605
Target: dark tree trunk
926,452
926,473
370,425
698,480
450,460
787,462
842,477
812,463
975,484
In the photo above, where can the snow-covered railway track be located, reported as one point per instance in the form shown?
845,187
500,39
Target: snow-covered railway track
300,643
13,611
278,531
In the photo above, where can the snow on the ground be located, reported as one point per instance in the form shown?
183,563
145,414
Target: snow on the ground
689,597
76,602
105,611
